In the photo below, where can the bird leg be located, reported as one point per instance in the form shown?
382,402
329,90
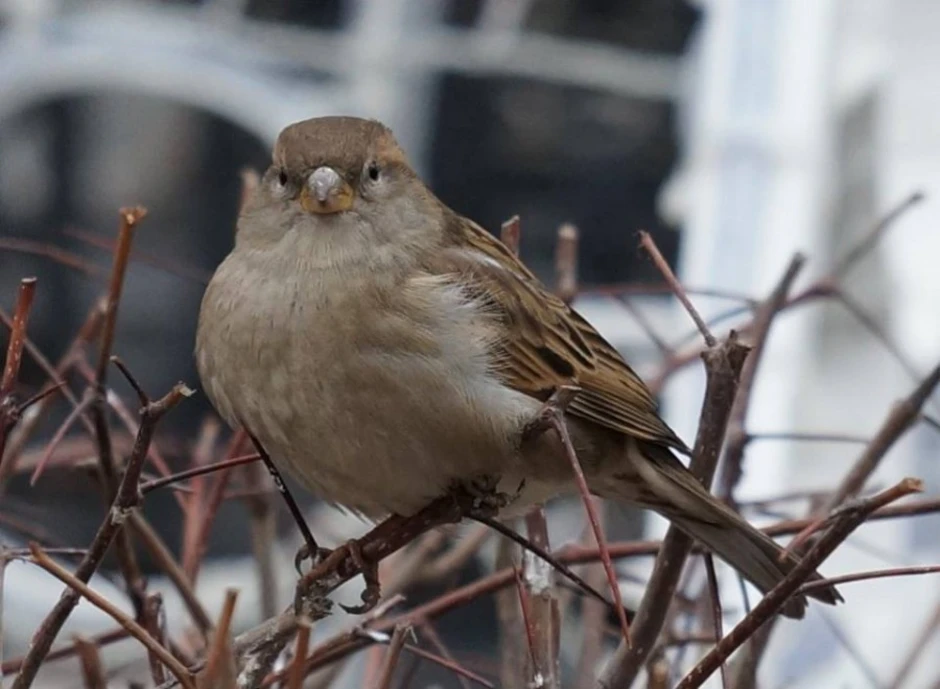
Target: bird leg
310,549
370,572
303,553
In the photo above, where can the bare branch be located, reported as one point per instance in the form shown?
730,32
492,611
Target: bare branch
392,655
538,584
126,499
181,673
92,671
736,433
9,408
646,241
723,364
847,521
510,234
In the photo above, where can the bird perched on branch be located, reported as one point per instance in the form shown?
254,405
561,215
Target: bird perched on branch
382,348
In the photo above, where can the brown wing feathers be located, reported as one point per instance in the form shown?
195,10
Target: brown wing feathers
549,344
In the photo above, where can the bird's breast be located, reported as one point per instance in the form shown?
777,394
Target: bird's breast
374,391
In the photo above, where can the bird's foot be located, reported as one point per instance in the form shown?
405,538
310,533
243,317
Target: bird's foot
486,500
303,554
370,572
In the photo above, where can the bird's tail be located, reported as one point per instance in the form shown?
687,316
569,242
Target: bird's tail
670,489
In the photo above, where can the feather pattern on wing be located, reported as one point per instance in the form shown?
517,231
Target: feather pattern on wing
543,343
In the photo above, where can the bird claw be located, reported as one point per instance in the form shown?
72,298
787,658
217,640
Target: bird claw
370,572
303,553
486,500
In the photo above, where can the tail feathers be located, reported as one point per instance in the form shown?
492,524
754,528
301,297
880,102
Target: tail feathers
670,489
754,555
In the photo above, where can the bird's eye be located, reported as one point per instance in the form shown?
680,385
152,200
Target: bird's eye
373,171
282,178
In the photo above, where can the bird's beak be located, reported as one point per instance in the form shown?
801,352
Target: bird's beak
326,192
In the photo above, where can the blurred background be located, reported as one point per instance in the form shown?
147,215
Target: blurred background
735,131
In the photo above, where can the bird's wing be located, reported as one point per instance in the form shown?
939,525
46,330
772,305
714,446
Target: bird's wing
544,344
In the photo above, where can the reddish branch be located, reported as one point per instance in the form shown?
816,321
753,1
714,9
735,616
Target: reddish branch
127,499
850,518
341,646
138,632
10,409
723,365
540,607
107,464
646,241
737,433
825,287
898,421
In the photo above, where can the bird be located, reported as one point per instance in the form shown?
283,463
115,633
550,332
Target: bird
382,348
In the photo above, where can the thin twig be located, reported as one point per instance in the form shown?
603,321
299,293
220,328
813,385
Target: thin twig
155,624
154,484
430,634
723,365
510,234
646,326
526,617
512,638
646,241
220,670
736,434
543,617
11,368
297,670
127,560
868,242
798,437
716,608
126,499
533,547
58,436
904,414
392,655
459,670
593,619
181,673
12,666
167,563
558,421
923,638
847,521
9,407
52,252
92,671
873,574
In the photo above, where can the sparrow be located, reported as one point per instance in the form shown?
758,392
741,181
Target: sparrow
383,348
